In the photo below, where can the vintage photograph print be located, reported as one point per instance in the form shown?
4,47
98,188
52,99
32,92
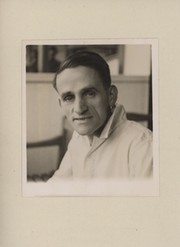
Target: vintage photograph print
90,118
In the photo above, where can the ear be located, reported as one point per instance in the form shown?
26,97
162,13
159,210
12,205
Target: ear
113,94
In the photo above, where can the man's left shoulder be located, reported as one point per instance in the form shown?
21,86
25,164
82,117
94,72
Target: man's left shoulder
140,131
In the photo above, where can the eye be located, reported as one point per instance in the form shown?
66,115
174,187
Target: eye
68,98
90,93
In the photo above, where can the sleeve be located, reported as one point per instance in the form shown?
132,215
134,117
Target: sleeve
141,157
65,169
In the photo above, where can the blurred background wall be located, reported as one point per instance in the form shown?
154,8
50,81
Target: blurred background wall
47,131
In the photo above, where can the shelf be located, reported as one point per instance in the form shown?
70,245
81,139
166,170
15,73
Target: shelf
49,77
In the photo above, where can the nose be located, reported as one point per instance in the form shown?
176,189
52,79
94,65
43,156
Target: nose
80,106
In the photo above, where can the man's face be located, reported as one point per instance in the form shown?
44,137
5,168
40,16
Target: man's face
83,99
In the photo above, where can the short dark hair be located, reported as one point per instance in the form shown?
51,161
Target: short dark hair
87,59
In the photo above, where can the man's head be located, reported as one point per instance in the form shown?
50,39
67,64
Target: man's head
86,95
88,59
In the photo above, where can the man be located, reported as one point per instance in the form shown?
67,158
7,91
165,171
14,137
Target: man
104,143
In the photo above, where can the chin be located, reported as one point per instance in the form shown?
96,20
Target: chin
83,132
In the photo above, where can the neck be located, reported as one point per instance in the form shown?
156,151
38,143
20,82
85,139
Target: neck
98,132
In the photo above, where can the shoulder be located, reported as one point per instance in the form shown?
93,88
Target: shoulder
129,129
140,151
133,135
141,141
137,130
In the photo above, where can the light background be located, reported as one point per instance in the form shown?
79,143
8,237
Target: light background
83,221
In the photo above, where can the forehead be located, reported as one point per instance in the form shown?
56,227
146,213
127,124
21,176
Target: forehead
78,77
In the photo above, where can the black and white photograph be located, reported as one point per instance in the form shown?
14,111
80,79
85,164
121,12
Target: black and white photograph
89,122
90,117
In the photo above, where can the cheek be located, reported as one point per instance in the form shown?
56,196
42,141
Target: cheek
100,106
66,110
99,102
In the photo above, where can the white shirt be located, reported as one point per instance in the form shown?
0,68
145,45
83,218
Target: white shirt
123,150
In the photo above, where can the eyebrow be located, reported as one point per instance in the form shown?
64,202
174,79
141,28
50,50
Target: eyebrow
82,91
89,88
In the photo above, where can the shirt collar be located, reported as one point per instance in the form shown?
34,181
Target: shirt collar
117,117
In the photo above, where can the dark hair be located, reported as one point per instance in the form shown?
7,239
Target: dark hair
87,59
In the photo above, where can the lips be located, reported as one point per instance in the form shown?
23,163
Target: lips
82,118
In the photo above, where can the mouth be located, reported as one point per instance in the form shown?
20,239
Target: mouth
81,119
